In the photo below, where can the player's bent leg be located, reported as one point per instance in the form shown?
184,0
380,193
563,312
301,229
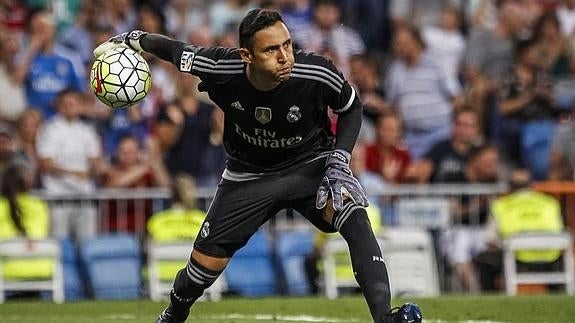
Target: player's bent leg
190,283
367,261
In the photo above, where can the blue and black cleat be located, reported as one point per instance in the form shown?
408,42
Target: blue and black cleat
407,313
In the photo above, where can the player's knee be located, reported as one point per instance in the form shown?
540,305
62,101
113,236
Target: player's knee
200,273
209,262
329,212
351,214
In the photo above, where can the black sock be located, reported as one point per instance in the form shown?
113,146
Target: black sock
189,285
368,265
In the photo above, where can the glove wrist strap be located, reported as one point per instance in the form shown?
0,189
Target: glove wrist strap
133,40
339,156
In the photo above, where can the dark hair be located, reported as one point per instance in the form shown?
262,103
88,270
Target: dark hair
335,3
548,16
478,151
14,183
33,13
254,21
521,47
414,32
65,92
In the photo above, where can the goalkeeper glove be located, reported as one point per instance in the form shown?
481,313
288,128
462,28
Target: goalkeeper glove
339,180
129,40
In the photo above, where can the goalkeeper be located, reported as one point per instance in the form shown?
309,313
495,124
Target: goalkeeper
281,154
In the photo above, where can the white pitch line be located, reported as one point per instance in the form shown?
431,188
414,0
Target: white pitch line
278,318
308,318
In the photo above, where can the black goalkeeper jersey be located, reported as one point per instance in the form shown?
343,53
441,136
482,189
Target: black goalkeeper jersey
266,131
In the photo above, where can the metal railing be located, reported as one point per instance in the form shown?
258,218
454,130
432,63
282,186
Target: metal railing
437,208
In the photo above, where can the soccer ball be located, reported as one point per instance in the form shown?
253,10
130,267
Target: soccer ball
120,77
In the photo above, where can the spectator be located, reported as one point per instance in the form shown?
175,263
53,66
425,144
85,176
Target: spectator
488,59
43,71
70,167
23,215
28,125
9,151
118,123
527,113
387,157
562,164
445,161
465,239
329,36
420,91
367,80
183,133
132,168
151,19
11,90
446,42
521,210
552,46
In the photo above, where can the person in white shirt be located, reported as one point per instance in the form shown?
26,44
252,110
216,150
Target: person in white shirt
566,15
446,43
70,157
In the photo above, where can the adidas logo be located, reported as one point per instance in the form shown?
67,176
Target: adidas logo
237,105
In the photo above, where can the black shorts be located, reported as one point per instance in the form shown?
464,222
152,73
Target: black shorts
240,208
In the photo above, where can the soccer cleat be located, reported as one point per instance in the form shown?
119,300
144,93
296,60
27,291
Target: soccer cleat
168,317
407,313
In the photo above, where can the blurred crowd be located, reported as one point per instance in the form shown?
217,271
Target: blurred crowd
454,91
437,79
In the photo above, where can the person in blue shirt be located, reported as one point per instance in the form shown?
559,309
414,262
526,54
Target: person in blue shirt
43,71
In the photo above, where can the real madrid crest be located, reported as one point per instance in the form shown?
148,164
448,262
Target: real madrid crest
205,231
293,114
263,115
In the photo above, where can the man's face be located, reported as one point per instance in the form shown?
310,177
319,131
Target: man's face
70,106
128,152
404,44
466,127
487,166
389,131
271,56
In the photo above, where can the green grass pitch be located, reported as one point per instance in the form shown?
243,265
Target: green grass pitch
463,309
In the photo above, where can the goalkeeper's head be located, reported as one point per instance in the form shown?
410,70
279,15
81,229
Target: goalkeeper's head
266,48
254,21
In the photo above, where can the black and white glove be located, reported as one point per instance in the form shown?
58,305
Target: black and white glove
129,40
339,180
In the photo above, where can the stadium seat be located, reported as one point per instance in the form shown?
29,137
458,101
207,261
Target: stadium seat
292,247
73,282
113,265
164,261
409,257
251,271
536,147
411,262
538,241
17,252
337,270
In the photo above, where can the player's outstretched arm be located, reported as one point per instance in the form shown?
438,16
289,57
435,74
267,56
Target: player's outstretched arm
140,41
